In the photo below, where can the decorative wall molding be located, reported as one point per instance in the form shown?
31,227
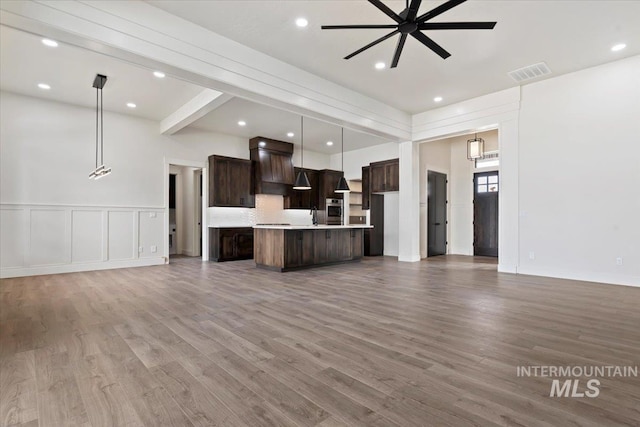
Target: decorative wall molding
49,239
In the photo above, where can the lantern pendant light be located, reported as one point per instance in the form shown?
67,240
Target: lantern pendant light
342,187
475,148
302,181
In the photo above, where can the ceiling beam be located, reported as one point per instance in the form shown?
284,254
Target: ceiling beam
141,34
204,103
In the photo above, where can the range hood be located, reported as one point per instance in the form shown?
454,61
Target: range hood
274,165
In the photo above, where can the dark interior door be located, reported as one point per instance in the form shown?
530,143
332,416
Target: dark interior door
436,213
374,237
486,188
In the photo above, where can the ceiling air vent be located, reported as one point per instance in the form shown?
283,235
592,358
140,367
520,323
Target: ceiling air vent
530,72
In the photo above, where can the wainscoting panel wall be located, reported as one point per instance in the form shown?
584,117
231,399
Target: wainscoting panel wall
13,242
121,241
86,234
48,239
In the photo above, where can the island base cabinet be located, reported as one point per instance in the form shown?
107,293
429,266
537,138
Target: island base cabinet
298,246
357,244
284,250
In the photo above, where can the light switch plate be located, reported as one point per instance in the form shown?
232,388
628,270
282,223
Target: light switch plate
154,248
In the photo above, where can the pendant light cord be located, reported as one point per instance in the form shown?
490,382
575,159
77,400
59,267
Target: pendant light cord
96,128
101,129
302,143
342,149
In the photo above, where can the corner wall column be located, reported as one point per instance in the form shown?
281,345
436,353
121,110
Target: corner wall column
409,201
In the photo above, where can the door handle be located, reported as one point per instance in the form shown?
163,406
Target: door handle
437,223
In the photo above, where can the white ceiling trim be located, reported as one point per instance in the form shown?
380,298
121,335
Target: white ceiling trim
137,32
465,116
201,105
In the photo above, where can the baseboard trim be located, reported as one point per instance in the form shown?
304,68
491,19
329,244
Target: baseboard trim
598,278
7,273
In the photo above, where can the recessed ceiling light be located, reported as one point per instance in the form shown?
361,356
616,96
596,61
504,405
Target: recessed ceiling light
437,99
44,86
49,42
262,144
290,134
301,22
131,105
618,47
242,123
159,74
380,65
329,143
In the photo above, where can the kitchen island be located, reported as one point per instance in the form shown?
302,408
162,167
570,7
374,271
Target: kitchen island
292,247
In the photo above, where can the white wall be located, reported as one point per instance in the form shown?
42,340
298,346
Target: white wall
54,219
356,159
580,174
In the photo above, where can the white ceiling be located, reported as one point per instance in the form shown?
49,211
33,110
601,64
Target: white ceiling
70,72
567,35
271,123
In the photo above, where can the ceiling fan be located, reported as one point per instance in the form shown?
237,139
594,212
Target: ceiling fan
408,23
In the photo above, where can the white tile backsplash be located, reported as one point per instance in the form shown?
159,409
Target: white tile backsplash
268,210
231,217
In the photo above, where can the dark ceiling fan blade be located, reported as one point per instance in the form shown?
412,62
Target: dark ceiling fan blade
457,25
431,44
396,56
381,39
439,10
413,9
390,13
348,27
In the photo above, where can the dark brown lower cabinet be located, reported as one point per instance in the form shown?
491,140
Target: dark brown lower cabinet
230,244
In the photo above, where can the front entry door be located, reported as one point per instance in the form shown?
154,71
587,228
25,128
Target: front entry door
436,213
486,187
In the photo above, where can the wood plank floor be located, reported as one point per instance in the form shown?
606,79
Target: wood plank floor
379,343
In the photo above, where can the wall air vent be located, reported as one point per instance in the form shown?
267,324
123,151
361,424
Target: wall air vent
530,72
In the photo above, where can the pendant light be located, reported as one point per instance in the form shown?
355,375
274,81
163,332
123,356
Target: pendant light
342,187
475,148
102,170
302,181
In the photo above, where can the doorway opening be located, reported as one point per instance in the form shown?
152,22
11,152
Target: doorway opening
486,188
436,213
185,211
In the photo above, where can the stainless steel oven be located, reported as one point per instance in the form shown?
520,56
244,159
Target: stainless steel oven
333,211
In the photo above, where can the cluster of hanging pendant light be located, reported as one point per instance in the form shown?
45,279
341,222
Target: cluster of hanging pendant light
302,180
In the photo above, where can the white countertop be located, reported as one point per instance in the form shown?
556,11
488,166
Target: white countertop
312,227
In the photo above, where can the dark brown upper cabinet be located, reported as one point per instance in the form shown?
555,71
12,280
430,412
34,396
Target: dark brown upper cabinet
274,166
327,188
304,199
231,182
385,176
366,188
